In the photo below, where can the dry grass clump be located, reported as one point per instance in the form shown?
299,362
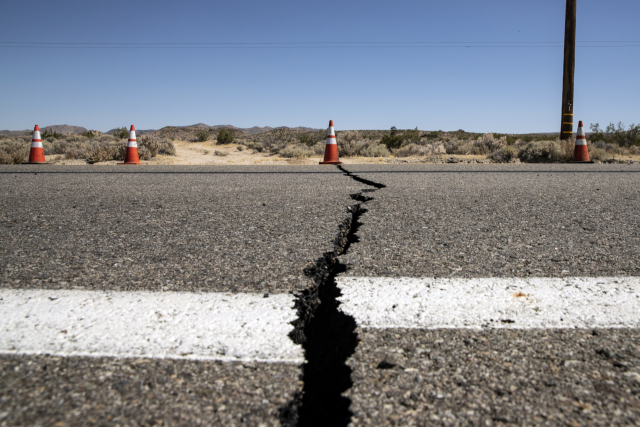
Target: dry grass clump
157,146
105,152
297,152
557,151
505,154
353,144
13,152
362,148
487,144
420,150
484,144
374,150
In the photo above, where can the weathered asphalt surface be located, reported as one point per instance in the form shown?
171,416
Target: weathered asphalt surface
497,221
518,221
168,228
197,229
188,229
81,391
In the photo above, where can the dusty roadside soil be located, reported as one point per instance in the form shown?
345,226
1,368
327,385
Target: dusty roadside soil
204,153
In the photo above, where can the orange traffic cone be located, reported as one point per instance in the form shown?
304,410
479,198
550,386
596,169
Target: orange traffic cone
131,155
36,155
331,148
581,152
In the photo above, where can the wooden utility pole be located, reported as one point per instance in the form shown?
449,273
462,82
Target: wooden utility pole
566,130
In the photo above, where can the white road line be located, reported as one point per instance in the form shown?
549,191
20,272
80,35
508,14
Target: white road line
203,326
429,303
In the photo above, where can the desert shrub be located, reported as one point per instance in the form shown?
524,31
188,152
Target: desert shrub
393,139
275,142
59,147
49,147
412,150
88,134
144,153
318,149
437,134
504,154
350,136
13,152
240,147
225,136
50,134
121,133
599,154
311,138
420,150
74,153
412,136
351,148
375,150
296,151
456,146
149,143
438,148
546,151
165,146
616,134
104,153
610,148
203,135
487,144
72,138
220,153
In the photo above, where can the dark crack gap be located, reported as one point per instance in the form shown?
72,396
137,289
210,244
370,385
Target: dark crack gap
327,334
377,185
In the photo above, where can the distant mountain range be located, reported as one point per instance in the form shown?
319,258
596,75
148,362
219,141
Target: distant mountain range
67,129
254,130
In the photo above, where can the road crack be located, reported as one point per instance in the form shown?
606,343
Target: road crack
327,334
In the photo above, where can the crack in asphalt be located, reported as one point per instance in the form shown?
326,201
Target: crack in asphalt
327,335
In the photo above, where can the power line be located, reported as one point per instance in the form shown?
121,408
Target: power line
311,45
305,47
322,42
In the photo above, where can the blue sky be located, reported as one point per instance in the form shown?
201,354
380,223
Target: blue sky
479,89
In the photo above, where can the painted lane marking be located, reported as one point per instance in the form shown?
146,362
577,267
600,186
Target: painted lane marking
430,303
202,326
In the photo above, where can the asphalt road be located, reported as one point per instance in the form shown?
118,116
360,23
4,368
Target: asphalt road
470,221
259,230
499,221
187,229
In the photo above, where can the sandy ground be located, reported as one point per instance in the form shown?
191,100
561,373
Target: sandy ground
204,153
